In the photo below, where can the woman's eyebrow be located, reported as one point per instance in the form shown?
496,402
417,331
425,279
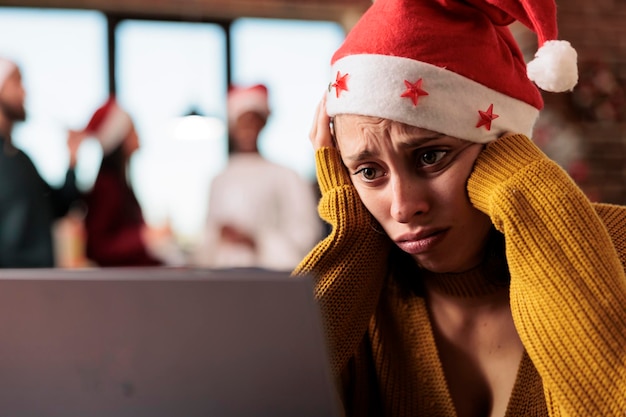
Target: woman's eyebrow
359,156
411,143
414,142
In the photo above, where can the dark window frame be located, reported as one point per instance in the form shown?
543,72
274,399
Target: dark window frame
114,19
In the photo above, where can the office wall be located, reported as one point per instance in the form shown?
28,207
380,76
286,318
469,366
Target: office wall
597,30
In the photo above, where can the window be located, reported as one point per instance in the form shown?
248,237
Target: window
164,71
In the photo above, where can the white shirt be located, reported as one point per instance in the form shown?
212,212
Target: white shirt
269,202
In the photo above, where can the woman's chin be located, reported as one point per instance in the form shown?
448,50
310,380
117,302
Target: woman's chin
445,265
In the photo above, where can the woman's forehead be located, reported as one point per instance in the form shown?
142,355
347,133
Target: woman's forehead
357,121
364,129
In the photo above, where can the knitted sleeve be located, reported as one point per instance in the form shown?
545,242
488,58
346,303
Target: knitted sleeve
349,265
568,286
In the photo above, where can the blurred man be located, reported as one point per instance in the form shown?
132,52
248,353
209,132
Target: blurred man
260,214
28,204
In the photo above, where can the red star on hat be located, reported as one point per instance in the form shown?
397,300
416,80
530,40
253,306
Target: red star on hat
414,91
341,83
486,117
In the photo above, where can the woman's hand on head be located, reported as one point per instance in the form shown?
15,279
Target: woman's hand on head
320,134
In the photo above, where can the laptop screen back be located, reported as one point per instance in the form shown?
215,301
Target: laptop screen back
161,342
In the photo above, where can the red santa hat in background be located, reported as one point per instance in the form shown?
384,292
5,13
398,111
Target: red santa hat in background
247,99
110,124
7,67
451,66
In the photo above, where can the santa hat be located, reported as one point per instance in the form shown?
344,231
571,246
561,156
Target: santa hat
247,99
110,125
450,66
7,68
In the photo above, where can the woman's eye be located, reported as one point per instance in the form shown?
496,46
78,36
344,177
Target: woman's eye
431,157
368,173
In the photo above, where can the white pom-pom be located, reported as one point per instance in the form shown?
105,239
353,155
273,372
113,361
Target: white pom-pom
554,67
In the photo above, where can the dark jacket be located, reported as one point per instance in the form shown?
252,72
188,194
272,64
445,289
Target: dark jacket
28,208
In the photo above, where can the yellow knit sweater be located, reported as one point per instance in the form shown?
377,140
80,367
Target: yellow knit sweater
566,260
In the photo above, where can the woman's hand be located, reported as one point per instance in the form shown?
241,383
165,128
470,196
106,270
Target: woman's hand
230,234
320,134
74,140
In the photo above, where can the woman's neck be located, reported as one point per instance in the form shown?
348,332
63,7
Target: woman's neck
476,339
482,281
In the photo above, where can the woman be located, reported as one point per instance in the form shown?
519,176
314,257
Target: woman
466,274
116,233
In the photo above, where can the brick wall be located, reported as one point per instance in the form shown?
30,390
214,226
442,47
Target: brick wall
597,106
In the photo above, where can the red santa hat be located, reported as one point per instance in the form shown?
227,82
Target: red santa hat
451,66
247,99
110,124
7,67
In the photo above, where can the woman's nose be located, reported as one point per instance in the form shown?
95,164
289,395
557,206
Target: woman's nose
409,198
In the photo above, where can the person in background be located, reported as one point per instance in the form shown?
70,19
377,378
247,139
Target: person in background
115,231
29,206
466,274
260,214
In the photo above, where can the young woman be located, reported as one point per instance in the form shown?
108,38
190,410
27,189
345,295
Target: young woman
466,273
116,233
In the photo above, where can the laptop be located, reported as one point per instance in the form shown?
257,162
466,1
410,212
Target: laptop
161,342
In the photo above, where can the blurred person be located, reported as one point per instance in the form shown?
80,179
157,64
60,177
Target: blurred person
115,231
260,214
29,206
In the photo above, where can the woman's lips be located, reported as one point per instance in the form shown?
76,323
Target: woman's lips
419,243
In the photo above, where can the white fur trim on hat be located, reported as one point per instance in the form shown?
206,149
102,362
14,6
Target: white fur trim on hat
453,104
6,69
